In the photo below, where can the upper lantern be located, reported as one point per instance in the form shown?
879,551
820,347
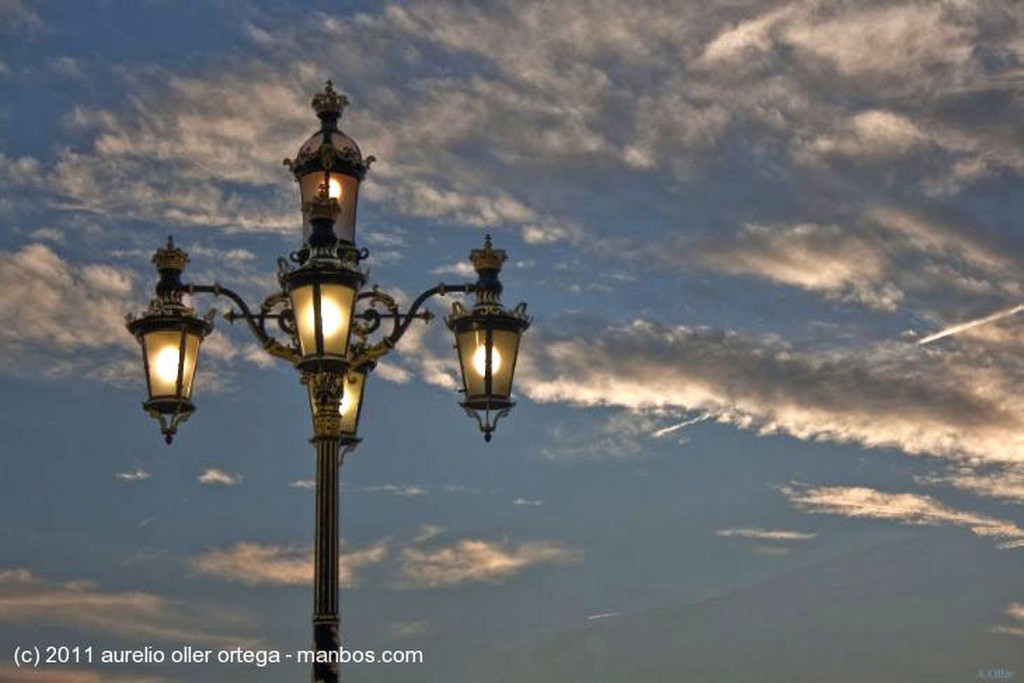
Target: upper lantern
333,159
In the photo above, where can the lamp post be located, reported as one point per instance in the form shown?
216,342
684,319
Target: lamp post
332,329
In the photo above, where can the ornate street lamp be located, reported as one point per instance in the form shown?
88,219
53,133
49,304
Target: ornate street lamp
169,333
333,329
487,339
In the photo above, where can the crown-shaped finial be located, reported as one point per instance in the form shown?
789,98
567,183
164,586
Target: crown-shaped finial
170,257
487,258
329,102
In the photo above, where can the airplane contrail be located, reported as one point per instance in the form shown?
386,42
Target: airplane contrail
668,430
970,324
602,615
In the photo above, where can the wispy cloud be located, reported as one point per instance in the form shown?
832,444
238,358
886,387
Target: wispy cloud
135,615
17,17
527,502
50,333
406,490
883,395
471,560
137,474
1000,482
255,564
417,562
906,508
459,269
1015,611
216,477
767,534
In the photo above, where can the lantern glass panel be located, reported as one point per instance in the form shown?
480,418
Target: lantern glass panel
352,402
472,346
305,314
191,359
503,362
336,317
165,355
344,188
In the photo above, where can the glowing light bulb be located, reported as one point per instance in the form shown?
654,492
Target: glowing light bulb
345,402
330,317
334,190
480,360
166,364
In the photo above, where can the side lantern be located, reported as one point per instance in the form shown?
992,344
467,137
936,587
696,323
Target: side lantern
170,334
487,340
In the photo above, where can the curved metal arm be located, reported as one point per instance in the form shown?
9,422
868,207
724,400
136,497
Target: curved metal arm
256,323
401,321
440,290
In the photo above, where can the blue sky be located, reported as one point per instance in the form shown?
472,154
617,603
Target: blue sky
737,455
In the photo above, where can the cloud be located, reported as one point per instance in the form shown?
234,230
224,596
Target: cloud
471,561
22,172
303,484
888,46
1001,483
406,490
527,502
214,476
415,564
619,436
16,17
885,258
819,258
138,474
885,395
859,502
134,615
767,534
549,233
59,292
745,39
427,532
255,564
390,372
459,269
867,135
1015,611
424,200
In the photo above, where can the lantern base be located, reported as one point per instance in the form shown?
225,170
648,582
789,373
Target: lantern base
169,413
487,414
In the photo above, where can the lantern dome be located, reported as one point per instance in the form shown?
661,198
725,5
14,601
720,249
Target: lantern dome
330,148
